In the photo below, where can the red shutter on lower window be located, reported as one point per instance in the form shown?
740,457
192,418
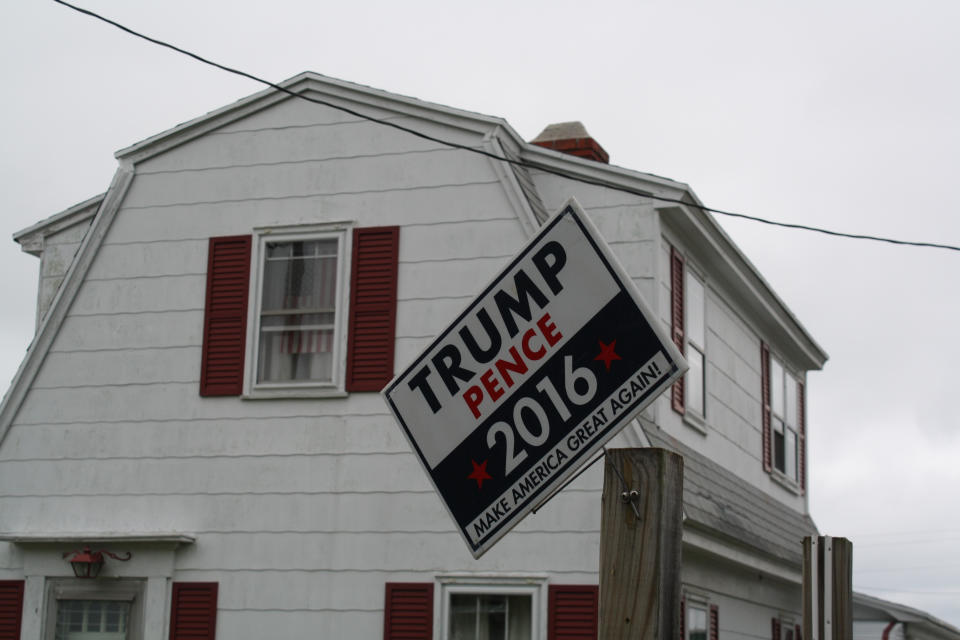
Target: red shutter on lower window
11,609
714,622
765,404
683,618
573,612
225,316
802,435
373,308
408,611
797,633
676,322
775,629
193,611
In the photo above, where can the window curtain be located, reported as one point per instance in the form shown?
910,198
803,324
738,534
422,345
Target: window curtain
298,311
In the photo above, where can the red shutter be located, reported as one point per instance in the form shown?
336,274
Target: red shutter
802,435
775,629
714,622
765,404
225,318
373,308
797,633
683,618
572,612
193,611
408,611
676,322
11,609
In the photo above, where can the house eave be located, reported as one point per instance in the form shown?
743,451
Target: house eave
99,537
682,211
775,320
706,540
30,239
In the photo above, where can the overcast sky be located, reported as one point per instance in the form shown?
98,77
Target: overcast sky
838,114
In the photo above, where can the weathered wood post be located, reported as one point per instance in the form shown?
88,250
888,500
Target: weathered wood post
827,588
640,538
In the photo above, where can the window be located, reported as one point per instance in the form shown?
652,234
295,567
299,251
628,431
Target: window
783,415
321,312
784,628
689,330
493,611
696,623
699,620
298,324
696,334
92,620
100,610
489,616
489,608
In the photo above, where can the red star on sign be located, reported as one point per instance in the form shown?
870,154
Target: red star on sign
607,353
479,473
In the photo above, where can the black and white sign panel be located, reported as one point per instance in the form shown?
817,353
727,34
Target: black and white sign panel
550,361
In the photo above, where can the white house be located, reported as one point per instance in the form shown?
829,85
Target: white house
876,619
213,331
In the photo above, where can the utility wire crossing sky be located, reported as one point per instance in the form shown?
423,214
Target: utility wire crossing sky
519,162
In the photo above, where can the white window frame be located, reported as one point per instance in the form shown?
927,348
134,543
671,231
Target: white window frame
535,587
699,606
340,231
789,381
123,590
695,600
696,418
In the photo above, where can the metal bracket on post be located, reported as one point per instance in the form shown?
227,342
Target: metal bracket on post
628,496
632,498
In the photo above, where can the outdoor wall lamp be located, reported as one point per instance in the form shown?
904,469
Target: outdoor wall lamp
87,563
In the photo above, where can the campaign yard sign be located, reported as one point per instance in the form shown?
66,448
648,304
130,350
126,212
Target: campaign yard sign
549,362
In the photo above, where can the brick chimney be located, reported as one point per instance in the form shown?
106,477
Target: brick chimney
572,138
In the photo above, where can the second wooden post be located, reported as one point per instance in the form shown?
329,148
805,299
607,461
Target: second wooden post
640,539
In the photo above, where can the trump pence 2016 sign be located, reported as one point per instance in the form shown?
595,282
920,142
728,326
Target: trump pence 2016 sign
549,362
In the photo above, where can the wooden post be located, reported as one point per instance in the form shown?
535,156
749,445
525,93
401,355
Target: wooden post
640,537
827,588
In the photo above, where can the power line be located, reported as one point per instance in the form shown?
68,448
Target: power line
896,543
896,534
911,591
494,156
926,567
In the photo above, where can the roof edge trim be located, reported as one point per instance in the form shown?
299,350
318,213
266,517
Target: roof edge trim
758,287
709,541
70,216
334,91
50,327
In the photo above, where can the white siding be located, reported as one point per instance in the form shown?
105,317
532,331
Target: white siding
747,601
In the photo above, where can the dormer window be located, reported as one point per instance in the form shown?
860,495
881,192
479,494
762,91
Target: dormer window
783,421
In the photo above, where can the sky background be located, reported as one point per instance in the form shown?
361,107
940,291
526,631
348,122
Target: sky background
841,114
